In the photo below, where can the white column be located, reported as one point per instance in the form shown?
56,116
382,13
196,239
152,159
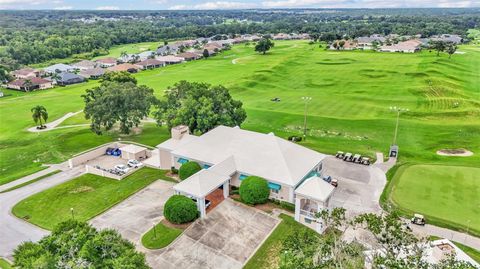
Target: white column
201,207
226,187
291,195
297,209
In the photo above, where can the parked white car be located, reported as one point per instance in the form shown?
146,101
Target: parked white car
134,163
122,168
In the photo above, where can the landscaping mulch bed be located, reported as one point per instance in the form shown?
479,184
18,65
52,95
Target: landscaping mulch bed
173,225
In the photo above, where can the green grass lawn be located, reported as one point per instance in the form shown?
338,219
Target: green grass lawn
4,264
88,195
351,94
160,237
32,181
267,256
445,194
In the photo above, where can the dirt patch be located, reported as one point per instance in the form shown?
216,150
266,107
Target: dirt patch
177,226
455,152
81,189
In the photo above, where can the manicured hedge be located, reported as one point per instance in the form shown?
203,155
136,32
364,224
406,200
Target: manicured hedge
188,169
180,209
254,190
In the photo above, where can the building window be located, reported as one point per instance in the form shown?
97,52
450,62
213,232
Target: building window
274,186
206,166
274,191
308,220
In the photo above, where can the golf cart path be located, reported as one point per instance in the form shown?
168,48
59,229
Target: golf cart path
13,230
51,168
55,123
462,238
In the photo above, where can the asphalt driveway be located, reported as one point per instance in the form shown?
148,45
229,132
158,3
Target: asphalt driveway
359,186
225,239
14,231
136,215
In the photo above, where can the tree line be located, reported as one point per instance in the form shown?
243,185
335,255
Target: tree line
28,37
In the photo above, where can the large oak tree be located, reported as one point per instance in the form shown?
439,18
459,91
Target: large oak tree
200,106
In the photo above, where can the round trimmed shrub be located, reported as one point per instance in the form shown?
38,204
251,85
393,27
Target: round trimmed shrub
180,209
188,169
254,190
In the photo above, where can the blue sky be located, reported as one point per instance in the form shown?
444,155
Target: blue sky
226,4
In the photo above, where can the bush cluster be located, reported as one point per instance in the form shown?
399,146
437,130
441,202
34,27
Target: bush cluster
180,209
188,169
254,190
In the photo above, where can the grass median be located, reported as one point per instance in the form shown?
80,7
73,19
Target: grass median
88,196
160,236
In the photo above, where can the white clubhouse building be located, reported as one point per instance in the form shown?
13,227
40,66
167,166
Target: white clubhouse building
230,154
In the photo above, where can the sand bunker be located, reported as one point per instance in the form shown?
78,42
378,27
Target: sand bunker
455,152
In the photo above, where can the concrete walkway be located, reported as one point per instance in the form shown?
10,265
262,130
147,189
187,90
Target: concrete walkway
13,230
51,168
55,123
462,238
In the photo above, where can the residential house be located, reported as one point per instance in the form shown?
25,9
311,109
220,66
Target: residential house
146,55
456,39
347,45
150,63
434,252
128,58
409,46
368,42
107,62
93,73
168,50
281,36
25,73
30,84
170,59
66,78
84,65
230,154
124,67
189,56
59,68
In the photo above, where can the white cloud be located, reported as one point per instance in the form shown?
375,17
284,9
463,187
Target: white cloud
178,7
63,8
107,8
368,3
216,5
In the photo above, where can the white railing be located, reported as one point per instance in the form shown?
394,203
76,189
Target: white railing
308,214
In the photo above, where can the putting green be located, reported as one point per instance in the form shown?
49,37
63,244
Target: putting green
447,193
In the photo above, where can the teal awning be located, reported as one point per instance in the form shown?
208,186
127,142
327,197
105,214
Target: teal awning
274,186
312,174
206,166
242,177
182,160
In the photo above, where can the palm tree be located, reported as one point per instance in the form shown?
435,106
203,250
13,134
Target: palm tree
39,113
27,85
124,56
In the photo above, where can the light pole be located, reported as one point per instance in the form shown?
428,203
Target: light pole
398,110
305,99
154,231
73,215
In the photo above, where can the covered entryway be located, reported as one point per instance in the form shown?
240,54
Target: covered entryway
202,184
312,197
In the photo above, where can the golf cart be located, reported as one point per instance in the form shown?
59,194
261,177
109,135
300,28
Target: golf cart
276,99
418,219
347,157
327,179
356,158
365,161
340,154
334,182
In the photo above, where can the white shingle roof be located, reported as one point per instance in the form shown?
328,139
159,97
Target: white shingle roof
201,184
264,155
315,188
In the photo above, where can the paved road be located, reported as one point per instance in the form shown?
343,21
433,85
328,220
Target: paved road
14,231
459,237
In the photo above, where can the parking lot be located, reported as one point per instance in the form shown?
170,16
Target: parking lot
359,186
225,239
107,161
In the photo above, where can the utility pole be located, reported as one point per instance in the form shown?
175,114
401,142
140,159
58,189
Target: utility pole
305,99
73,215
